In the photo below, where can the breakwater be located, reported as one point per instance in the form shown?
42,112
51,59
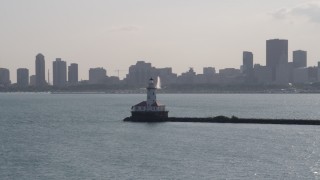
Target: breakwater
224,119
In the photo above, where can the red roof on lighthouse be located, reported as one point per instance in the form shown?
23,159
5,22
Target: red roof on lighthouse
157,104
144,104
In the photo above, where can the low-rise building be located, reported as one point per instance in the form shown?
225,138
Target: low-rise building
97,75
262,74
300,75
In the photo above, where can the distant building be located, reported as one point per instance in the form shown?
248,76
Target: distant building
230,76
209,71
247,61
200,79
247,66
33,80
277,53
262,74
97,75
209,76
188,77
22,77
299,59
140,73
283,74
313,74
300,75
4,77
112,80
40,71
59,73
166,76
73,73
230,72
318,71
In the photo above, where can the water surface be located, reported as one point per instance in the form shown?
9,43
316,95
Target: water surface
60,136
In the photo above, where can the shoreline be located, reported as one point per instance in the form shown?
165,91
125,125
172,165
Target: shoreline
142,92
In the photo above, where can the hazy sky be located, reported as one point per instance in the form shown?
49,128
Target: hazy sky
114,34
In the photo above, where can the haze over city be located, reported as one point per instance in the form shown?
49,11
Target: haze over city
178,34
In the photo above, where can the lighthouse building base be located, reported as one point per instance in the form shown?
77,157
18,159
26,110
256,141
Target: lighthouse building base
149,115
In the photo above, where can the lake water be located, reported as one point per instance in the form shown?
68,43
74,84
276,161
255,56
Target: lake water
63,136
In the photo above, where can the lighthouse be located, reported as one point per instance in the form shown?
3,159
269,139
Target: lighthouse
151,94
150,109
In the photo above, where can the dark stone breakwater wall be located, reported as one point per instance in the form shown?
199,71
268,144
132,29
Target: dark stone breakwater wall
223,119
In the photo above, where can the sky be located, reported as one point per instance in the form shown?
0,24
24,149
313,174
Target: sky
114,34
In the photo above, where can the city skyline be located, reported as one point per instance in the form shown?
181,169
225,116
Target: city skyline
116,73
181,34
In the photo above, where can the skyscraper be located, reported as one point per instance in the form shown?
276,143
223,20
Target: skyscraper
247,62
22,77
40,71
299,59
4,77
247,65
59,73
73,73
277,53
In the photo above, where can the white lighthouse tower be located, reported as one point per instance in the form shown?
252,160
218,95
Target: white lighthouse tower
150,109
151,94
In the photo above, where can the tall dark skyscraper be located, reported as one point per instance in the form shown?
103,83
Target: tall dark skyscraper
277,54
247,60
4,77
299,58
40,71
59,73
22,77
248,65
73,73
